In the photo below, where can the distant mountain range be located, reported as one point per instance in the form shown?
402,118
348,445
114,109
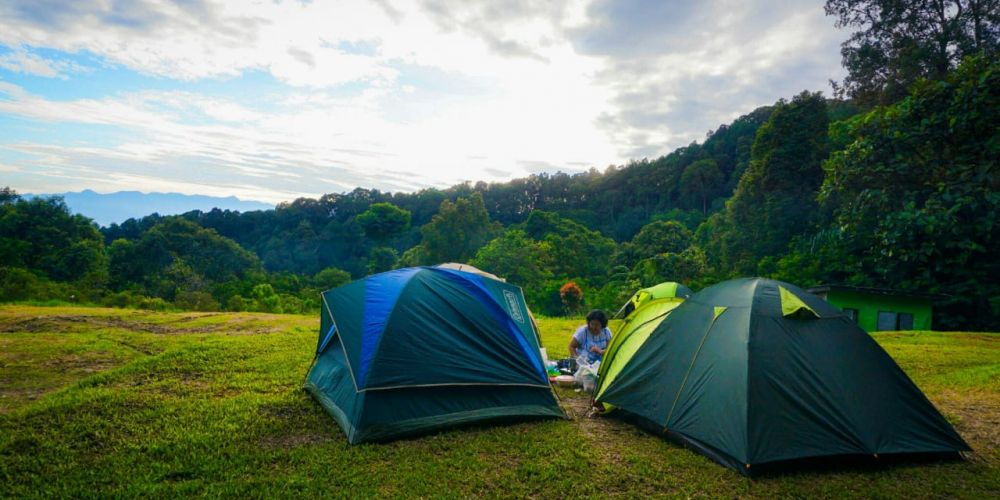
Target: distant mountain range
118,207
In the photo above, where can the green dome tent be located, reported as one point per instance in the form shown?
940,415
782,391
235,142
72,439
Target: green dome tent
753,372
415,350
633,323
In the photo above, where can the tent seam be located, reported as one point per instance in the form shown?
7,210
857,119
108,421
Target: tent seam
752,320
450,384
388,319
328,313
343,348
694,358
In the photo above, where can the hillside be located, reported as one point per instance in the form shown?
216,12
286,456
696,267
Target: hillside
808,191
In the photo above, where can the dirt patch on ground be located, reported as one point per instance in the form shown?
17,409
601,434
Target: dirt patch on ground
287,411
978,421
598,429
75,323
289,441
41,320
19,387
292,413
74,363
40,324
183,385
11,399
180,325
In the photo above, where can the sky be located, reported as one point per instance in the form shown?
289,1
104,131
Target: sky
275,100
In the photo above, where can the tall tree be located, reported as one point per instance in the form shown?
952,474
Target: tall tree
331,277
897,42
517,258
576,251
384,220
382,259
40,234
916,194
702,180
178,255
8,195
653,239
775,199
458,230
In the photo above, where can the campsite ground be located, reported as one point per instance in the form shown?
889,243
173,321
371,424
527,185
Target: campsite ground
109,402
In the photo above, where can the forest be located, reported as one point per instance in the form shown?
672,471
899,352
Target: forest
892,182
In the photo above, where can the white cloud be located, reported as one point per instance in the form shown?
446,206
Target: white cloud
679,69
22,61
400,97
320,137
9,168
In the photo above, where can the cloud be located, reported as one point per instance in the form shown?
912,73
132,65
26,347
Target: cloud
394,96
662,72
309,145
23,61
678,69
193,39
642,28
9,168
536,167
497,173
510,29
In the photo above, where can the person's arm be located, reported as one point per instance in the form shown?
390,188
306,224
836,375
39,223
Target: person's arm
573,346
597,350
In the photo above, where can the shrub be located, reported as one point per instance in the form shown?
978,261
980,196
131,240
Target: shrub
236,303
571,296
17,283
196,301
153,304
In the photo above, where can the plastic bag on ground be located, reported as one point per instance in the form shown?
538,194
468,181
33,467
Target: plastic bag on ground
586,374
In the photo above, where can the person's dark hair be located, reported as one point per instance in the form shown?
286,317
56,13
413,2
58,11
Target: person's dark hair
599,316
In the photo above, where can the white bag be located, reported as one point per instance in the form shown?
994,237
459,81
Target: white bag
586,374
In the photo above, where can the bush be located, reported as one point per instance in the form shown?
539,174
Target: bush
17,283
153,304
120,300
291,304
196,301
132,299
20,284
571,296
236,303
331,277
265,299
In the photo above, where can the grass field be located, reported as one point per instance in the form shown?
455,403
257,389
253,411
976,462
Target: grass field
107,402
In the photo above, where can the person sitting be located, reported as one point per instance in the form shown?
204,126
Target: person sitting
591,339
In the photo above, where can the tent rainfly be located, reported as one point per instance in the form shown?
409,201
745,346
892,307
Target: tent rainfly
632,325
416,350
754,372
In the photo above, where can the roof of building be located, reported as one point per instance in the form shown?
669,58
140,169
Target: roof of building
875,291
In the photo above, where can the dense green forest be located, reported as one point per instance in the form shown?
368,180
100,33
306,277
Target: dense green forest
893,184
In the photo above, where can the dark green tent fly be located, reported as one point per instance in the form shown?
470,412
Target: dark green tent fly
415,350
752,372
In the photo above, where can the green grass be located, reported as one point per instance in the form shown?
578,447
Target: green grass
107,402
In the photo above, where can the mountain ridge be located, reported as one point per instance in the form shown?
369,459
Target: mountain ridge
110,208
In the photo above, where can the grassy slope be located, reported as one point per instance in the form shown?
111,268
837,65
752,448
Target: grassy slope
100,402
